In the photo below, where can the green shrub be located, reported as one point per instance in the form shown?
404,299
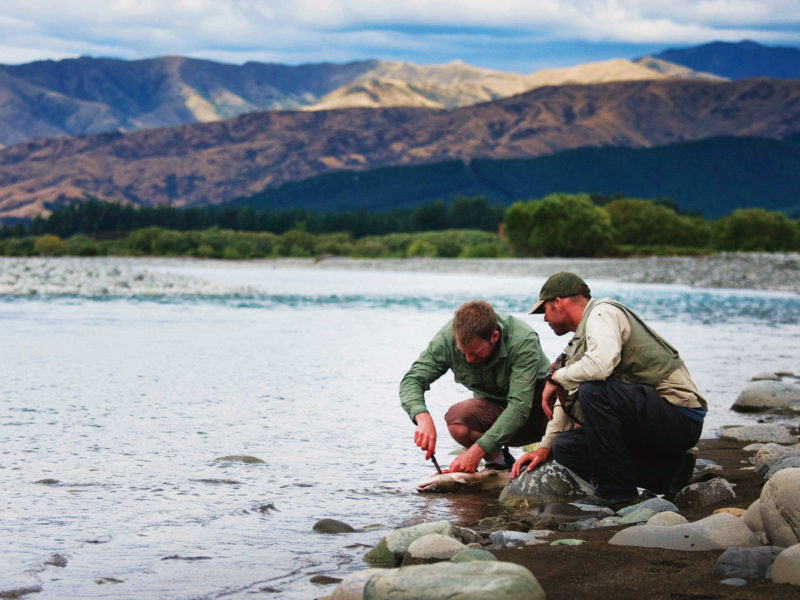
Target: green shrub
50,245
755,229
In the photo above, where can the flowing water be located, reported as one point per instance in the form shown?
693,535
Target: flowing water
116,411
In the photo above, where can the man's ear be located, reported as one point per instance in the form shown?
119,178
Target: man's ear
495,336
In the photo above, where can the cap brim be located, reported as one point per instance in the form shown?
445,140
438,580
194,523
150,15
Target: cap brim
538,308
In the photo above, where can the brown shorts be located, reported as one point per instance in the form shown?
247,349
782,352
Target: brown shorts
479,414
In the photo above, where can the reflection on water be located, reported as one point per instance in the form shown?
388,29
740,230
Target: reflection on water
115,412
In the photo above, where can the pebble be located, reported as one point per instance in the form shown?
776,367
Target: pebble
786,568
715,532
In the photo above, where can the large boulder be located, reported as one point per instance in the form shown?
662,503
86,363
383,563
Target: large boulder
717,532
352,586
760,396
390,550
786,568
550,482
779,507
475,580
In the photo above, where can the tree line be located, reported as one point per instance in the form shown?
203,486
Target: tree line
574,225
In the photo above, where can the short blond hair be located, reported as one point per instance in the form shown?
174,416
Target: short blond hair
475,319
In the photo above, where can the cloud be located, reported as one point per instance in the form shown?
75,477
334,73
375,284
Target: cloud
419,30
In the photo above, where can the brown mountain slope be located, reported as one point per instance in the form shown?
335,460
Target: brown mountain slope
214,162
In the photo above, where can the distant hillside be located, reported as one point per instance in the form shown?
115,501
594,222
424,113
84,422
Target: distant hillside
86,96
94,95
210,163
738,60
712,177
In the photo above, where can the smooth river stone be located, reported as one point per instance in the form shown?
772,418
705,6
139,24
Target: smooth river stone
391,548
477,580
786,568
352,586
761,432
759,396
705,493
780,507
787,462
430,548
750,563
550,482
716,532
667,519
752,516
332,526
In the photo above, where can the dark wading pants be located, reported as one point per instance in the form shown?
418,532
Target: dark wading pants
631,437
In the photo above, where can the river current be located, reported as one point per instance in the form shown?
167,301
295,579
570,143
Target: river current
118,408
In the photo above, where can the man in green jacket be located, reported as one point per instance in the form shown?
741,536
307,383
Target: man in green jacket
500,360
637,408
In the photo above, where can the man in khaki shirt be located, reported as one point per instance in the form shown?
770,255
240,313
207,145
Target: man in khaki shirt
639,411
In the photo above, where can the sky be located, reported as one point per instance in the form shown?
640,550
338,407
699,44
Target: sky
509,35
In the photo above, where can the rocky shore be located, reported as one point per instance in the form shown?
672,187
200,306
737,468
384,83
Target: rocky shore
127,277
733,532
760,271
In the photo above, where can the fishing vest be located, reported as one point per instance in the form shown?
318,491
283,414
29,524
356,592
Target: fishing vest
645,358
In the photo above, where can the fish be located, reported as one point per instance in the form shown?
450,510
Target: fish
480,481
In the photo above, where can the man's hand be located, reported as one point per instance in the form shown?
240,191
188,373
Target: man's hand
468,461
535,458
425,434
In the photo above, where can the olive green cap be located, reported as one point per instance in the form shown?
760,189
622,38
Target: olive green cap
560,285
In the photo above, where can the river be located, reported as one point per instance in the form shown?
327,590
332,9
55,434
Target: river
117,408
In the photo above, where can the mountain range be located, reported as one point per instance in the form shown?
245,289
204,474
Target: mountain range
435,114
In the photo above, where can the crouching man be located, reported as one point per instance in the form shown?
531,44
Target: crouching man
637,409
500,360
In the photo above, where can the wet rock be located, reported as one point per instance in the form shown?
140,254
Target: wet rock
352,586
550,482
763,395
761,432
752,517
56,560
332,526
765,375
471,554
476,580
511,538
557,515
432,548
705,493
593,523
704,465
324,580
667,519
392,547
24,591
653,504
770,454
242,458
786,568
750,563
466,535
779,507
712,533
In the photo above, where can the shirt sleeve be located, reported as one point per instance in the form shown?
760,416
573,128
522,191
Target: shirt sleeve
560,422
525,368
429,367
607,328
